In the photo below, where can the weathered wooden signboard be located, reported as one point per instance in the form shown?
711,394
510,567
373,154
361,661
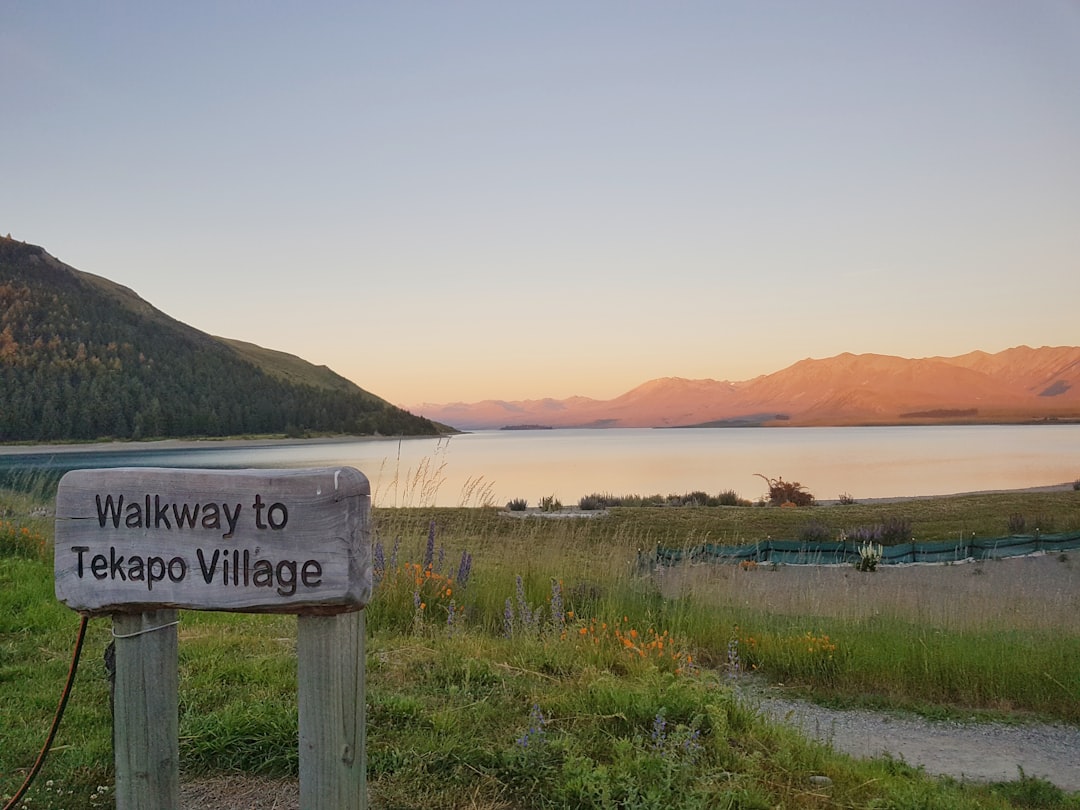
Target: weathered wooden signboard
274,541
140,542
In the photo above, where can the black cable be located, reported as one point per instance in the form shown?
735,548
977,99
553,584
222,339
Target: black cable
56,720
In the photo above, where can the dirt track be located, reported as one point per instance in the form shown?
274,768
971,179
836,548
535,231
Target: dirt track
982,752
1024,592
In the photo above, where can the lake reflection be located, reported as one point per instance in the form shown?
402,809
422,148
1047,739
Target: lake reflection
499,465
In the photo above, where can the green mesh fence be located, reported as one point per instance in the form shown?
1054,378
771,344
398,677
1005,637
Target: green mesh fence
795,552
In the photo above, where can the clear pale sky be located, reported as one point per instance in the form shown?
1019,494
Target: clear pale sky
453,201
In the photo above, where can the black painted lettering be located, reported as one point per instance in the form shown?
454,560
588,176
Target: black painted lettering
262,575
110,511
311,574
136,569
286,577
233,518
99,566
177,569
207,569
258,507
161,513
211,516
134,517
185,514
283,515
80,550
115,571
155,571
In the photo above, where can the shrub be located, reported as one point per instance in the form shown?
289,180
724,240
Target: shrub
730,497
605,501
864,534
549,503
814,532
846,499
896,530
784,492
517,505
1017,523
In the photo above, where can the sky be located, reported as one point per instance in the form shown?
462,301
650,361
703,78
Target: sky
457,201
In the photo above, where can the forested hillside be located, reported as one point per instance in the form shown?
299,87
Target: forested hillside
83,358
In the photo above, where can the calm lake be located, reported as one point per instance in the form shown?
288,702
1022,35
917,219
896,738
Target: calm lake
495,466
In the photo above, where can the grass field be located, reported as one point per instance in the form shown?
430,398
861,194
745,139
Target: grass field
550,668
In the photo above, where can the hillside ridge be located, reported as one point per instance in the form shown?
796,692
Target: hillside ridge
83,358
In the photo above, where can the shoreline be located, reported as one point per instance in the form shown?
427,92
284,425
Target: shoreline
185,444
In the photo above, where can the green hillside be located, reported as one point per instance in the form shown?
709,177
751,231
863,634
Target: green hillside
83,358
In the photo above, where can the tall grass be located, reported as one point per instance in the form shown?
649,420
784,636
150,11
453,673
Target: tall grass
554,669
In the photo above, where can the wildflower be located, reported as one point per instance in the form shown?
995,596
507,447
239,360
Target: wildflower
429,550
535,733
691,743
378,564
659,731
508,619
524,613
464,569
733,660
557,617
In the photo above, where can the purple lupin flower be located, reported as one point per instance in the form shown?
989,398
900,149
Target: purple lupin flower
378,563
659,732
429,550
534,735
558,616
508,619
525,614
464,569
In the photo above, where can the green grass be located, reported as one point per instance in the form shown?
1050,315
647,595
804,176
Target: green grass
620,698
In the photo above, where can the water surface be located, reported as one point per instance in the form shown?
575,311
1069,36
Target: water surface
495,466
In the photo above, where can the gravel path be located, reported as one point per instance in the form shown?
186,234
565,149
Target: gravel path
984,752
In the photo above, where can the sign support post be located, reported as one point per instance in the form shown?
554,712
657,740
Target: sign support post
330,671
145,716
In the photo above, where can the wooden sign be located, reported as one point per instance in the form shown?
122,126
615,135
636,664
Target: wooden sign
261,541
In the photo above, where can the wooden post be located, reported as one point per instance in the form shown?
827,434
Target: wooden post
330,670
146,723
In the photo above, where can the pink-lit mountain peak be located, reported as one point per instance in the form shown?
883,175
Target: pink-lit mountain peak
1016,385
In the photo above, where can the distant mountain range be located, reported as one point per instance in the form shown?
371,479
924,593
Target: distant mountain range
1013,386
83,358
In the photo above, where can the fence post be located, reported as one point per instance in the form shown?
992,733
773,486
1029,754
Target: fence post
330,671
145,722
